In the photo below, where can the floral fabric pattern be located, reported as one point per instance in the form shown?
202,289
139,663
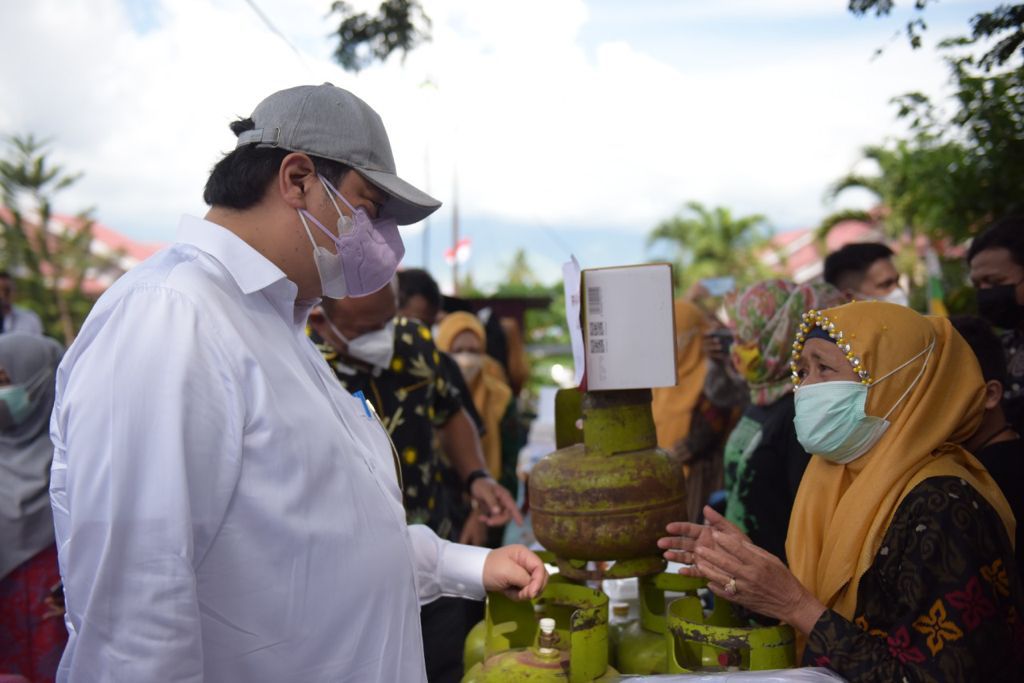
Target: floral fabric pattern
1013,392
765,318
32,632
941,601
412,398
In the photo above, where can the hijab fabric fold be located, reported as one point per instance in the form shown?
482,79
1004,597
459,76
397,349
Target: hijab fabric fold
26,520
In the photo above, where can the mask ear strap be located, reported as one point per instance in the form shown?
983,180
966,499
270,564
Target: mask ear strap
927,350
331,190
303,214
335,330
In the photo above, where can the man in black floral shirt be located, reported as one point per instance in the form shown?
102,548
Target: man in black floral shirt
394,364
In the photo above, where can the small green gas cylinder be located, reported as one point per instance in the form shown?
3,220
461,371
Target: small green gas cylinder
642,647
473,652
569,644
721,641
610,497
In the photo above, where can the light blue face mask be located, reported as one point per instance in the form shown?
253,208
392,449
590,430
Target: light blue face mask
18,406
830,420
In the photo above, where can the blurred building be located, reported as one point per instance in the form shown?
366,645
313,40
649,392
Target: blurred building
116,253
800,255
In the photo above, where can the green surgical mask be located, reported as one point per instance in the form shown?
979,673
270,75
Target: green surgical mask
830,420
15,405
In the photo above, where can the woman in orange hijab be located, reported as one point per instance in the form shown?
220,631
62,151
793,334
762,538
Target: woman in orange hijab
901,563
673,406
694,420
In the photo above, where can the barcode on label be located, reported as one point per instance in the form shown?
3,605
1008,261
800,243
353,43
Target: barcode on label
597,346
597,329
594,300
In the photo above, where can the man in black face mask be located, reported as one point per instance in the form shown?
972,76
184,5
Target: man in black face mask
996,260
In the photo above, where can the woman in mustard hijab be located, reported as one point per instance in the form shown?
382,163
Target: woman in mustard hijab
901,564
694,417
462,335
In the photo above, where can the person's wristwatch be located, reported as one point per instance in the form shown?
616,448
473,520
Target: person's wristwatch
473,476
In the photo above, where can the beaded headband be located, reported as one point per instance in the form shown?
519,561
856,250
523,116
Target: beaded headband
810,320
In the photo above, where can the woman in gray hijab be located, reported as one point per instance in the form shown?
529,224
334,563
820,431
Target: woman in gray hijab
32,633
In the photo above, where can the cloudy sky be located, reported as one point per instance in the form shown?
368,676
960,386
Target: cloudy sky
570,125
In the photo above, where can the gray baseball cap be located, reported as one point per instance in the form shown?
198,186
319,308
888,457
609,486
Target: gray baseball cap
332,123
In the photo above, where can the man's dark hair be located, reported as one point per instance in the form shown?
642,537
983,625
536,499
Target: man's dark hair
1007,233
985,344
416,281
240,179
845,268
4,275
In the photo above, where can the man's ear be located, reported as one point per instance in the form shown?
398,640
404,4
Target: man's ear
295,178
993,394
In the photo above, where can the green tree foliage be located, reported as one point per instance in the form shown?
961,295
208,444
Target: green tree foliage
712,242
520,276
1004,24
49,261
398,26
543,328
955,172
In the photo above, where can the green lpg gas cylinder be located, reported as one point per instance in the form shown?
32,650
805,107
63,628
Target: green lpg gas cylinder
572,645
618,621
610,497
721,641
642,647
473,651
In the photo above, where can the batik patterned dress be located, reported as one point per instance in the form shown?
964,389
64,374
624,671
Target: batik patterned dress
942,601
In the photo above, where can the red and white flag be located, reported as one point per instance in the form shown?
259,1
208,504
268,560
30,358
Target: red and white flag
459,253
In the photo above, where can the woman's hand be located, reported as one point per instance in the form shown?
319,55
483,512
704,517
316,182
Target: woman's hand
743,573
687,536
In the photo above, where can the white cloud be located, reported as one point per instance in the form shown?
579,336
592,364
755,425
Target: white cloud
539,127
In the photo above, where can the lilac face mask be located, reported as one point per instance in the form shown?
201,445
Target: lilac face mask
368,250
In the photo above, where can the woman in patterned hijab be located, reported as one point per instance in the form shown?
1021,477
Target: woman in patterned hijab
763,460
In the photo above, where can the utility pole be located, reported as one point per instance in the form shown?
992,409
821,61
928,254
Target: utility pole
426,221
455,232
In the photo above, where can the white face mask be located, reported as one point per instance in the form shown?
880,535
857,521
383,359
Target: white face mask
470,363
897,296
376,348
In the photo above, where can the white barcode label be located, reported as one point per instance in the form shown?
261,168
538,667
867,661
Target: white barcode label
597,329
594,300
597,346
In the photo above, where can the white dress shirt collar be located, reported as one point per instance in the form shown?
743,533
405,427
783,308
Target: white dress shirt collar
251,270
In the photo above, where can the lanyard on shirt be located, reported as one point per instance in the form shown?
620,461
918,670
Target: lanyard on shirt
372,412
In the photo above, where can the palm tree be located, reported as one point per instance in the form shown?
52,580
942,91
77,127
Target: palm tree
712,242
916,184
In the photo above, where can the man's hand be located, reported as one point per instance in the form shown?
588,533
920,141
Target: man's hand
493,504
515,571
474,532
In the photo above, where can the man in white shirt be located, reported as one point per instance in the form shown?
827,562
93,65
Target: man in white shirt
15,318
224,510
